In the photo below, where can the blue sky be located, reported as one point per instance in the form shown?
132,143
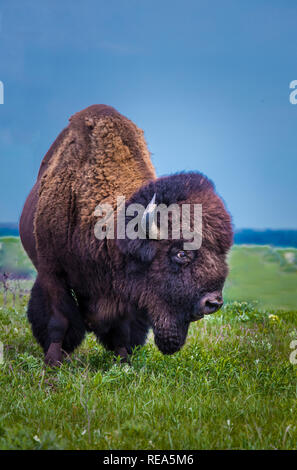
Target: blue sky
208,81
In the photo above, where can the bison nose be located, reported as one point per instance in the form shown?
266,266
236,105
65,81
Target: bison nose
210,303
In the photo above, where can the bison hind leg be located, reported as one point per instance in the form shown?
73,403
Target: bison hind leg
39,314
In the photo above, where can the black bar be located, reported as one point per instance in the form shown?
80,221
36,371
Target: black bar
140,458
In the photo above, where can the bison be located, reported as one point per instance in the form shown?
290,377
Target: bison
117,288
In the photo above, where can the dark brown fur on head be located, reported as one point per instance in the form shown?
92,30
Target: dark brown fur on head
171,292
116,288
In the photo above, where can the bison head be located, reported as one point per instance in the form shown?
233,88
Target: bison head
173,284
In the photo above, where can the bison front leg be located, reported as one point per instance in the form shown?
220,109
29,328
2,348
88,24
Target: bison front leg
125,334
139,327
116,338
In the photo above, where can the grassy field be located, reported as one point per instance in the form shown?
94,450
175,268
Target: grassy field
13,258
231,387
263,274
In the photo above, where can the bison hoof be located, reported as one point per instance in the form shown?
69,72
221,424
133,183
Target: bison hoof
123,353
53,357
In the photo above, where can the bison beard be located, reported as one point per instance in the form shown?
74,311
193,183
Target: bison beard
170,335
117,289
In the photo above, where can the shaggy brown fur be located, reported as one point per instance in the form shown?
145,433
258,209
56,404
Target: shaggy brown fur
116,288
102,154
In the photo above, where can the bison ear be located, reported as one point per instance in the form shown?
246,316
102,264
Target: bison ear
143,250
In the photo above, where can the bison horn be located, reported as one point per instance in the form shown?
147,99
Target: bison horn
148,223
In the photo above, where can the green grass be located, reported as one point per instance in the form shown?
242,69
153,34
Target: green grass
231,387
13,258
263,274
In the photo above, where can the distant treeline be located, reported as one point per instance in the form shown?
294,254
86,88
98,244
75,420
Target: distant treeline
285,238
9,229
244,236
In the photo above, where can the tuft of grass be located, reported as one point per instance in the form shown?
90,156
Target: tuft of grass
232,386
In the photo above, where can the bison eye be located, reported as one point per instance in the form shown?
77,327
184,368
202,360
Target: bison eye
181,257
